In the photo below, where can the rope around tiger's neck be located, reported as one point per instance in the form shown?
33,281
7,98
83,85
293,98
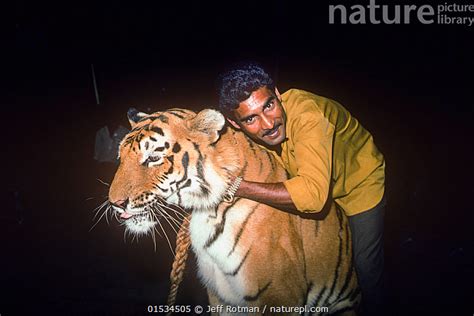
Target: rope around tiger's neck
183,241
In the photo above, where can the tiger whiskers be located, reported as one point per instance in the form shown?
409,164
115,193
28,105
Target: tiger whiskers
98,209
103,182
152,217
162,208
174,216
169,218
166,236
153,237
150,220
116,216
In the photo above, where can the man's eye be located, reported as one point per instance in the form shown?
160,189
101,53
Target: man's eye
250,120
269,105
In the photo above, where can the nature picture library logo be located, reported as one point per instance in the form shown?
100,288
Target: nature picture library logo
373,13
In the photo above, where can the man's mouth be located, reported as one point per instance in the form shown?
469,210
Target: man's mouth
273,132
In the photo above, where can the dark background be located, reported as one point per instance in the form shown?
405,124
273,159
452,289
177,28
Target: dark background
410,85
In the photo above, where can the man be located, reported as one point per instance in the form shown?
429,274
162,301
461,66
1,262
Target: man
327,154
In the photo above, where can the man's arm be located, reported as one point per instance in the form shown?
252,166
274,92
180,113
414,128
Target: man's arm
277,196
273,194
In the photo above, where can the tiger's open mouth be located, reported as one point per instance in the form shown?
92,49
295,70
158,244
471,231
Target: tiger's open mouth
157,201
143,219
141,223
124,215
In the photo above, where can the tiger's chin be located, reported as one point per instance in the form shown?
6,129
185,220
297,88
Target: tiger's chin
140,225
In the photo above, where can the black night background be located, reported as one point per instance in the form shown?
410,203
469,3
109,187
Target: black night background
410,85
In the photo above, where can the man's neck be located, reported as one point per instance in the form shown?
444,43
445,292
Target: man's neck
276,148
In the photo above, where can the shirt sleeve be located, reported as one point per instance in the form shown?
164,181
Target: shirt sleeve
312,135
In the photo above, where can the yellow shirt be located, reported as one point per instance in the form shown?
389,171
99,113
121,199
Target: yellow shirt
325,143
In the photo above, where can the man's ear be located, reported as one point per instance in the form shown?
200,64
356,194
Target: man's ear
277,93
233,123
134,116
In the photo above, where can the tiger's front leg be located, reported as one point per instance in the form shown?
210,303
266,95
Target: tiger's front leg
214,303
216,306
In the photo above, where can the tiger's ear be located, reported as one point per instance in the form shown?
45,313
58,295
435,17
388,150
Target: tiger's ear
134,116
209,122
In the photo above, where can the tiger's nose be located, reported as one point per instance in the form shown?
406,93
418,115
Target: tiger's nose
120,203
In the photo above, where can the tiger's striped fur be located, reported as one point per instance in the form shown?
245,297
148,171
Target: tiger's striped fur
248,254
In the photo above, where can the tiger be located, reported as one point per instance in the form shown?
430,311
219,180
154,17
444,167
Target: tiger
248,254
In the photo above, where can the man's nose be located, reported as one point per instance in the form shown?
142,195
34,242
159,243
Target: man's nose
267,122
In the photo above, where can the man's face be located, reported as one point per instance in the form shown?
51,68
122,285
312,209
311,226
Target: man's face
262,117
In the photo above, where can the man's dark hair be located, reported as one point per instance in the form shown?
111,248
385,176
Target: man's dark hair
237,84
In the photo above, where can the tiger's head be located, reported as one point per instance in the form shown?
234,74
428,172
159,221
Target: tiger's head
169,158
